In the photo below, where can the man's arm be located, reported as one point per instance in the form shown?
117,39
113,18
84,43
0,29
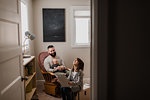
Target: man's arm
62,63
47,65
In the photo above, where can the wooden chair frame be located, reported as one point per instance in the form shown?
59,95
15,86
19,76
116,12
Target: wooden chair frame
48,76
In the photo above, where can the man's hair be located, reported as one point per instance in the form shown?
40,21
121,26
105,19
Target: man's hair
50,46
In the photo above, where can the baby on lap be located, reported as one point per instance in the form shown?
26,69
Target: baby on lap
58,66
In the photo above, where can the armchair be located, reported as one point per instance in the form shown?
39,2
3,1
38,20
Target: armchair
50,84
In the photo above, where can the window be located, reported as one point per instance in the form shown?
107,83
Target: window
24,25
80,21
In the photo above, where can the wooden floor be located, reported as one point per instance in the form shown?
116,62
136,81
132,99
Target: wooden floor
42,95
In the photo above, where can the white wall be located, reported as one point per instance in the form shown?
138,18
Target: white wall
30,13
64,49
30,25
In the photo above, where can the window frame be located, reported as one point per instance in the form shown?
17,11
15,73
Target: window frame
73,29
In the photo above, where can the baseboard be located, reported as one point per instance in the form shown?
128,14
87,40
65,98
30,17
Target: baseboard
40,80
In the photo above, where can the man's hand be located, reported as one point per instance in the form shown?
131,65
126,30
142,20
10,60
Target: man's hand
62,67
58,68
57,80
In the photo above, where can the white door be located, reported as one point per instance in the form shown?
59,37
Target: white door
11,69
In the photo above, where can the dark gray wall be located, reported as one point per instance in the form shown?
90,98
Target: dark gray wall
125,25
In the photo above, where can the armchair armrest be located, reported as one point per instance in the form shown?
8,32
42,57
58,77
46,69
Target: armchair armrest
47,73
51,73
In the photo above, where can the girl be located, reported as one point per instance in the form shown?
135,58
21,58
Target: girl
76,80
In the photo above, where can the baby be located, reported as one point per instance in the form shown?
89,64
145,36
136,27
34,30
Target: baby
58,66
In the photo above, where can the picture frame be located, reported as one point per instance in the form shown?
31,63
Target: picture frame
53,25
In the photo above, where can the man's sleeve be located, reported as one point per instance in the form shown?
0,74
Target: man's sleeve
47,66
62,63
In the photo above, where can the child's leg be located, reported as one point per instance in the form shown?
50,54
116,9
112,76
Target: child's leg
68,93
63,93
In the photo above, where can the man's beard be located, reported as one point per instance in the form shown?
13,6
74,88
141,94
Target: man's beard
53,55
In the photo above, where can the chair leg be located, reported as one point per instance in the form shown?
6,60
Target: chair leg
74,96
78,95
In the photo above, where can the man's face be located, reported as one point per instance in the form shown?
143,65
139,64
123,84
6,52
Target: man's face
52,52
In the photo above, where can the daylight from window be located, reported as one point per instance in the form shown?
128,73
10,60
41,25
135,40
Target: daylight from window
81,26
24,24
82,30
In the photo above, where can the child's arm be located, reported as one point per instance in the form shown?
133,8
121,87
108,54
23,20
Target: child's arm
70,83
79,81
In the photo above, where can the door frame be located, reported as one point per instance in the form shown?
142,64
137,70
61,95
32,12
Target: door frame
99,37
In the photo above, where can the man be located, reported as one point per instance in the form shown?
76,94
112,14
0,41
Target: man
48,62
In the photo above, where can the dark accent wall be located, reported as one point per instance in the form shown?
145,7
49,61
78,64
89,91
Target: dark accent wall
128,55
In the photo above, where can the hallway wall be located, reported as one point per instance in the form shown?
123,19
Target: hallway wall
125,28
64,49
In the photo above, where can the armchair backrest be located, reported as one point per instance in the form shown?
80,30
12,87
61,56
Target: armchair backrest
41,58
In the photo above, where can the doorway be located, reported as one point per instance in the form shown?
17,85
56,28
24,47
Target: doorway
65,50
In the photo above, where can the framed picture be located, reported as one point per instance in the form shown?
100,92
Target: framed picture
53,25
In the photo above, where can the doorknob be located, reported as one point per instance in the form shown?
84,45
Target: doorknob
24,79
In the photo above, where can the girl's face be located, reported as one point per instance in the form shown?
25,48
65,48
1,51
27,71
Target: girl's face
75,62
